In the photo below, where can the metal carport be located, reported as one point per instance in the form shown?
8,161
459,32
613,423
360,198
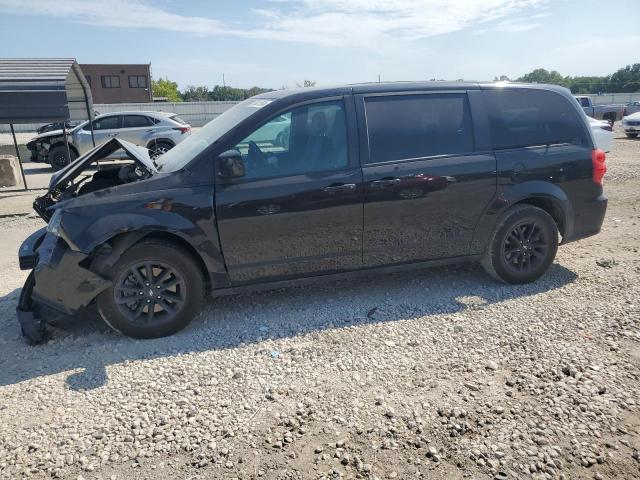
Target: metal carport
42,90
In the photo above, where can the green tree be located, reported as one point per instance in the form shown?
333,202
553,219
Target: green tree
540,75
626,79
195,94
307,83
163,87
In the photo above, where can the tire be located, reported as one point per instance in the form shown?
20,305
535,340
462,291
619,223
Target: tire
58,158
631,135
127,311
523,245
158,148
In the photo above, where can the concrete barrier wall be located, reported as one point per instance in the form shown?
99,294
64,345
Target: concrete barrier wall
195,114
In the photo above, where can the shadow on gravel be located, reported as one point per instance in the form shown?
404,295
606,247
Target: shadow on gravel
82,350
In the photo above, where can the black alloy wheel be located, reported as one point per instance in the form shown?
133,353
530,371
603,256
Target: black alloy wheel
525,247
157,288
150,292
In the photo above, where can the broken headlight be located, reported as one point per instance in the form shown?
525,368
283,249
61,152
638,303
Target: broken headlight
54,224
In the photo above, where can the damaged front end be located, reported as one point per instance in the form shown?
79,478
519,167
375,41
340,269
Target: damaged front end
61,281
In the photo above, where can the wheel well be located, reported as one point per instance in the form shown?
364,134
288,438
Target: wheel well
61,144
548,206
160,140
121,243
184,245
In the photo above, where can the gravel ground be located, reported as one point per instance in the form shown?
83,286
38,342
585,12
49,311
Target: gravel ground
441,373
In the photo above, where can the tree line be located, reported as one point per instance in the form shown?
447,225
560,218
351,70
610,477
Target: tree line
624,80
164,87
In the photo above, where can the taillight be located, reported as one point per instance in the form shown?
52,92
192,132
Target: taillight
182,129
598,158
608,128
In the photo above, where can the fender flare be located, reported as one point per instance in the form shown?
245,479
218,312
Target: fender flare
545,195
108,247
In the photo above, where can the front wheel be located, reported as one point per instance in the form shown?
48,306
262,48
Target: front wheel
157,290
523,246
58,157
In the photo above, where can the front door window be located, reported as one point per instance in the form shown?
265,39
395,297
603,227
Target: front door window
311,138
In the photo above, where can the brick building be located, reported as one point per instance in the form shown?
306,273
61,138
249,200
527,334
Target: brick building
113,83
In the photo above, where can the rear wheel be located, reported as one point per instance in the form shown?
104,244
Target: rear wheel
159,148
58,157
157,290
631,135
523,246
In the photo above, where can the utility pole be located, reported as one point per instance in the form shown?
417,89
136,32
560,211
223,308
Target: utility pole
378,78
223,84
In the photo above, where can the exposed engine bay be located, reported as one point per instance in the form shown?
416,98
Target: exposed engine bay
86,174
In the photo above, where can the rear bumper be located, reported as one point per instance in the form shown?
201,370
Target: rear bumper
59,280
589,220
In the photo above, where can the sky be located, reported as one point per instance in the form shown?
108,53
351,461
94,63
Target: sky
280,43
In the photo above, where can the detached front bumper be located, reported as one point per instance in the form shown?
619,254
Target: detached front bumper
58,281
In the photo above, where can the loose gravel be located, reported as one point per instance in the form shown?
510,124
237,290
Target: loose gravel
441,373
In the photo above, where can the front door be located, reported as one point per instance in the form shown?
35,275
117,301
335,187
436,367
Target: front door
104,129
426,185
298,210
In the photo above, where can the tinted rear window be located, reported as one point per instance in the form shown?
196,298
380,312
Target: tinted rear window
416,126
520,118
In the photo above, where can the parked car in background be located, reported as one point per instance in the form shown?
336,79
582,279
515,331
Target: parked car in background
611,113
631,125
631,107
157,131
602,133
374,177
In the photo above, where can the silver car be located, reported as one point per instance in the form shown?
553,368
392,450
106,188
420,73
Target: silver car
157,131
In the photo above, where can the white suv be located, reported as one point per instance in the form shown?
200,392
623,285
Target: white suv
157,131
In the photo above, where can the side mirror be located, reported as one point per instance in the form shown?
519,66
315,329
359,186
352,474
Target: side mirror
231,165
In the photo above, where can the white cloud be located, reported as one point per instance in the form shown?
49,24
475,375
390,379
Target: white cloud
361,23
114,13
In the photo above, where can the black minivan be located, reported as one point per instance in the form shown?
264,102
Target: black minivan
315,183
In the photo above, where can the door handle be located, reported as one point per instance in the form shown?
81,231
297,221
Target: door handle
339,187
151,130
385,182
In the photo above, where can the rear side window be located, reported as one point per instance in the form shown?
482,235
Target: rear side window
521,118
176,118
136,121
415,126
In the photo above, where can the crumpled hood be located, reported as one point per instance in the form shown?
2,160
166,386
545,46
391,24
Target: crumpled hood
75,168
52,133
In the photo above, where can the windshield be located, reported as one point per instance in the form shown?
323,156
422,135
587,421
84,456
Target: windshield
184,152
